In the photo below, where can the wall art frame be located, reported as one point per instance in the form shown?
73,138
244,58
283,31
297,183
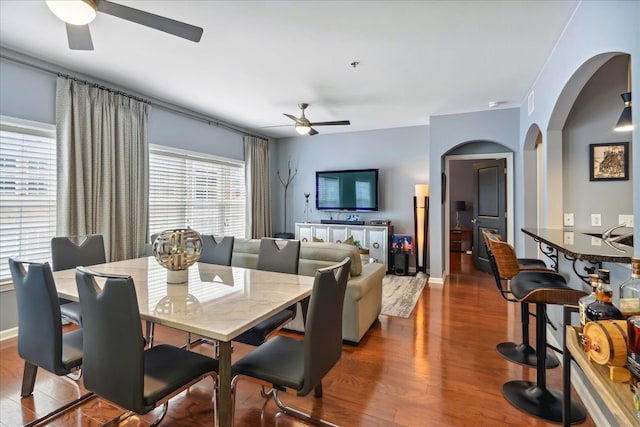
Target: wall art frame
609,161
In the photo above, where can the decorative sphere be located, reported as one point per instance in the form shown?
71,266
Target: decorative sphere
177,249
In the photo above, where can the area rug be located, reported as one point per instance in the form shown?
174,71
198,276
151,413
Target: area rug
400,294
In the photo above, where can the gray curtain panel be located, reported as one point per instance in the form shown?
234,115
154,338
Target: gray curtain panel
103,167
256,157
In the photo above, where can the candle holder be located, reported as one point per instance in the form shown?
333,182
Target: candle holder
306,206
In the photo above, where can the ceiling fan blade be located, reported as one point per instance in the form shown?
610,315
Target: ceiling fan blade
294,118
277,126
79,37
313,132
339,122
171,26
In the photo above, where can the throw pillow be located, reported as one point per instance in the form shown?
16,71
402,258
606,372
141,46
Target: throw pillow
315,239
349,240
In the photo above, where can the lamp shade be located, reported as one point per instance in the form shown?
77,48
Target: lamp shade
421,191
624,122
461,206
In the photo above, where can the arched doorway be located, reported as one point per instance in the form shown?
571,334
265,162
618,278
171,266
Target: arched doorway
466,154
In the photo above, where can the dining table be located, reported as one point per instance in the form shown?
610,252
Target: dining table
216,302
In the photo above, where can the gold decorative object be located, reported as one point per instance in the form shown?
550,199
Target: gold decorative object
176,250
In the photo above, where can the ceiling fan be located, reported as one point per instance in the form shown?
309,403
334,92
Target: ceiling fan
304,126
77,14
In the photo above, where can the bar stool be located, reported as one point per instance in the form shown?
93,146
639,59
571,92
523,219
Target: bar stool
542,288
504,266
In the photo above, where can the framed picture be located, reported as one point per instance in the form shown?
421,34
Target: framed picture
609,161
402,243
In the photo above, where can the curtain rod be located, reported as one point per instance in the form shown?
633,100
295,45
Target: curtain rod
165,106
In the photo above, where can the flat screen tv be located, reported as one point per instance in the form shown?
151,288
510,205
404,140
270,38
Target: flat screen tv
347,190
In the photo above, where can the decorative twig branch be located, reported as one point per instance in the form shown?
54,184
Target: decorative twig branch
290,177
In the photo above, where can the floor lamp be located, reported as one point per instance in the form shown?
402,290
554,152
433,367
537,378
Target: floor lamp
421,224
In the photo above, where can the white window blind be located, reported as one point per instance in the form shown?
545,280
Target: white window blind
27,192
190,189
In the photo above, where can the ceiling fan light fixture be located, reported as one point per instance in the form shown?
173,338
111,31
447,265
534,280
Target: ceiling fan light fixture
624,122
303,129
74,12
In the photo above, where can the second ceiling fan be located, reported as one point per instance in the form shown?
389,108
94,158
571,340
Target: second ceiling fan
305,127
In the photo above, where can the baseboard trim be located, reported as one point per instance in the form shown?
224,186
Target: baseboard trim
578,383
8,333
435,280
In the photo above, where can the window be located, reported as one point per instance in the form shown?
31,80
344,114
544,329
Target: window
27,192
203,192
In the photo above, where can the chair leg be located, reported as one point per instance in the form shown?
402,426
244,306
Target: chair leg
60,410
28,379
266,394
301,415
75,374
524,353
165,406
318,390
535,398
150,328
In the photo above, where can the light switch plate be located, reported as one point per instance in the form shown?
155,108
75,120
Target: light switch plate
568,237
596,220
627,220
568,220
596,241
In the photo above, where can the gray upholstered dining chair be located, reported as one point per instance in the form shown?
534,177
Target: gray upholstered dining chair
116,365
69,252
216,252
271,257
41,342
288,363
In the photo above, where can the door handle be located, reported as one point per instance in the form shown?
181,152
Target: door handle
474,220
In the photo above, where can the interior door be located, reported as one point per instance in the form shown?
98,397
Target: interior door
489,206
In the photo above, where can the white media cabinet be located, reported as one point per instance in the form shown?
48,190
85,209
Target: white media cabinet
376,238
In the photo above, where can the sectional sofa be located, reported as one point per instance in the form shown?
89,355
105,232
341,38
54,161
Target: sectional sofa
363,298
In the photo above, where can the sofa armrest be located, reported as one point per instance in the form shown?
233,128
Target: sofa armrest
370,279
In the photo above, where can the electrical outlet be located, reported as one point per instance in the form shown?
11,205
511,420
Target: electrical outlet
596,241
627,220
568,237
568,219
596,220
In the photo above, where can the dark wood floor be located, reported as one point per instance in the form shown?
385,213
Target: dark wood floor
437,368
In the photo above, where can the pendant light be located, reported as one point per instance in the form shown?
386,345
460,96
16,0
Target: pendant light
624,122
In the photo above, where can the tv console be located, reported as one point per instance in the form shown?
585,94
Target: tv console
376,238
340,222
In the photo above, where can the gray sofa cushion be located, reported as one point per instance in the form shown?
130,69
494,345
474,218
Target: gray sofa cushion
313,255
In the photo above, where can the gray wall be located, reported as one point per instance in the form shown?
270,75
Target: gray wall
401,155
461,189
591,120
29,94
597,31
447,133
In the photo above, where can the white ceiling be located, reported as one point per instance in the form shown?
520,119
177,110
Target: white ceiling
259,59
